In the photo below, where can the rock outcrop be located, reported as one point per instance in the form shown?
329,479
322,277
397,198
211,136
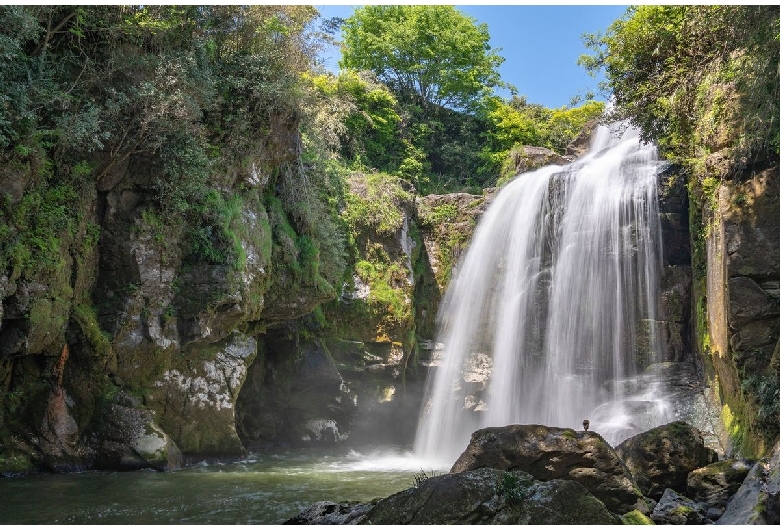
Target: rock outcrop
662,457
581,143
528,158
490,496
757,501
128,438
197,400
447,223
549,453
713,485
739,319
676,275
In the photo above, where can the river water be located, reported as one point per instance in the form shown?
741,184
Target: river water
261,489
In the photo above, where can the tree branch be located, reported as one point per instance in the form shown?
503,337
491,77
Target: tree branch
49,32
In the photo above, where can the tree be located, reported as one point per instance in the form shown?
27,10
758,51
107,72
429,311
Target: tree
691,77
432,52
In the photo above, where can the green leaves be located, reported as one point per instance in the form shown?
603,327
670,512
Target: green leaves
379,205
673,68
433,52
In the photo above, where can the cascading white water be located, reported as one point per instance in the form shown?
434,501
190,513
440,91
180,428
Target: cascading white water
552,302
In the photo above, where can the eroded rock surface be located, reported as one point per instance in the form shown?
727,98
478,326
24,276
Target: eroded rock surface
548,453
196,400
490,496
129,438
662,457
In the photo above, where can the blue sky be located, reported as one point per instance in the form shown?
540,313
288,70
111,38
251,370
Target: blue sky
540,45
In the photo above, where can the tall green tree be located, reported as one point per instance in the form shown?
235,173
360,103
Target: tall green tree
435,53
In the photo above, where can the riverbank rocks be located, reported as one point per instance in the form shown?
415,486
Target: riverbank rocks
713,485
673,508
326,512
129,439
549,453
490,496
662,457
758,499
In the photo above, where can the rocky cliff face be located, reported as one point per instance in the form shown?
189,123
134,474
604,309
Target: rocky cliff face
132,345
738,314
137,347
356,369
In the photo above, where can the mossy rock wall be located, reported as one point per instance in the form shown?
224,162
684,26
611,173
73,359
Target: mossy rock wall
447,223
373,335
150,301
149,307
737,283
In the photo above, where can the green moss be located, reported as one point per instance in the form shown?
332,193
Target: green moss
732,425
438,215
681,510
636,517
299,252
763,391
15,463
86,318
381,276
379,206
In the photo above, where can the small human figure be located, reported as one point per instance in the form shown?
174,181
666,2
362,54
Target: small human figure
585,424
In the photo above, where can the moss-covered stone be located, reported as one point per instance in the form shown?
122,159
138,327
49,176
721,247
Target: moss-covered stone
195,399
635,517
662,457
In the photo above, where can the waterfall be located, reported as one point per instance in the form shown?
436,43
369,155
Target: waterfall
553,308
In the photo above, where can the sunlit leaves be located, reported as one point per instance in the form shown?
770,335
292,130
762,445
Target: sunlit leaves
435,52
668,67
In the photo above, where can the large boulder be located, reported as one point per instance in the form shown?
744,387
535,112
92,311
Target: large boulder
713,485
490,496
758,499
549,453
662,457
673,508
128,438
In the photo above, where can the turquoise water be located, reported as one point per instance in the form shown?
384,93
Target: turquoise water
265,489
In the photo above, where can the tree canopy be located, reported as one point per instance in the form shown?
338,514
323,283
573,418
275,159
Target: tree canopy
691,76
434,52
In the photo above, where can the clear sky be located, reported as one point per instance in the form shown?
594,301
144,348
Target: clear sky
540,45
